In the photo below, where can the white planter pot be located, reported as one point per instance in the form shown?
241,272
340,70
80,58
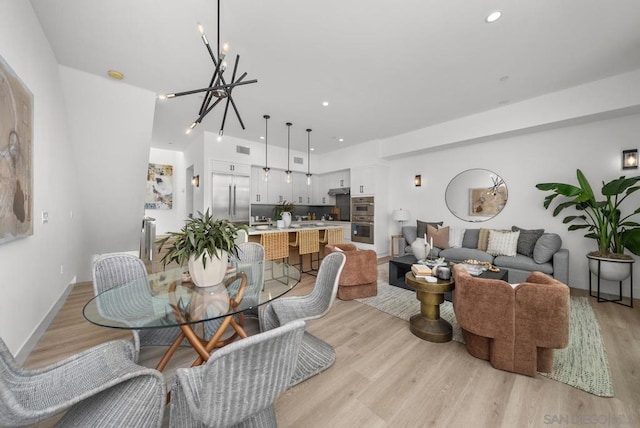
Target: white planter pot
280,224
610,269
211,275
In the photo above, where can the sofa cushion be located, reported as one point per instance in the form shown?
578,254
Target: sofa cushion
527,240
410,234
460,254
470,239
456,235
421,226
440,237
524,263
546,246
503,243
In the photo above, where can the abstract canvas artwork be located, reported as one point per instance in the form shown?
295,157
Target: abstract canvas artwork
484,202
159,187
16,147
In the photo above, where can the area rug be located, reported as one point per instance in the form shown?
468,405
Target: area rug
583,364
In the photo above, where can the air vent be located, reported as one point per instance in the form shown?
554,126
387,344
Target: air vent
298,159
244,150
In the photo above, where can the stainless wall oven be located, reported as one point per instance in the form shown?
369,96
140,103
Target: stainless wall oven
362,223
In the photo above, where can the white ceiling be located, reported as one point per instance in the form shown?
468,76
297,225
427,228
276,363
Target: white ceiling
386,67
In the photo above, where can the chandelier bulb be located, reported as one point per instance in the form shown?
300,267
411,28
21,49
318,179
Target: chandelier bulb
201,29
190,128
223,66
225,50
162,97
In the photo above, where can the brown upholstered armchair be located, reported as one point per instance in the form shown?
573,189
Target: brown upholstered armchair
359,277
517,327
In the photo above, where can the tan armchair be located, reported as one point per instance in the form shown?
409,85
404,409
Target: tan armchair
515,328
359,278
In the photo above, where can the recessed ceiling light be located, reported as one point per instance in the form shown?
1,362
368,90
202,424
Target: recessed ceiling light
262,137
341,139
325,103
493,16
115,74
312,149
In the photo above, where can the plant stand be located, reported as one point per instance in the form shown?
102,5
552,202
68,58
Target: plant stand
598,295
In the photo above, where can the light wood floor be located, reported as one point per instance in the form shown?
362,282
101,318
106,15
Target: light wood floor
386,377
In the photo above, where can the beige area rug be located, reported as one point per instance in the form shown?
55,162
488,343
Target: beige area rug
583,364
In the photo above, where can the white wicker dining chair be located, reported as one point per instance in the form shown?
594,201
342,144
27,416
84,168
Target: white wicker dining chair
247,261
99,387
112,270
315,354
238,385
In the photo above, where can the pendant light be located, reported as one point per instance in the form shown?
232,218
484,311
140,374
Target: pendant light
308,157
266,168
288,171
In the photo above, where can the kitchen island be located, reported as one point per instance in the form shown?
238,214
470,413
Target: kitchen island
256,232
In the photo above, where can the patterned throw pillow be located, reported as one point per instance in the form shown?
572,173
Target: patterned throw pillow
483,239
503,243
456,235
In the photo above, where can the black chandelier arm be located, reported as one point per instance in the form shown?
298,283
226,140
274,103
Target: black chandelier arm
207,98
206,112
212,88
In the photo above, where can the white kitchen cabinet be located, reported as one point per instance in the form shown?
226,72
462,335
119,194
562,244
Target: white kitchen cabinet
363,180
278,189
338,179
301,191
259,187
230,167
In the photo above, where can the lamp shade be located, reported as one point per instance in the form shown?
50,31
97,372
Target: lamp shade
400,215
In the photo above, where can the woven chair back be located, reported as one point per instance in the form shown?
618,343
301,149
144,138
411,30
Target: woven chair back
276,245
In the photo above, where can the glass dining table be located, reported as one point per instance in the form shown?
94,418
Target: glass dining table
205,315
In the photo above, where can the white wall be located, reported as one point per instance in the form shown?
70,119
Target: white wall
110,125
31,282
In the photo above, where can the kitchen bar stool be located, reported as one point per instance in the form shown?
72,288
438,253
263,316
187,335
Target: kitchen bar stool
331,237
307,242
276,247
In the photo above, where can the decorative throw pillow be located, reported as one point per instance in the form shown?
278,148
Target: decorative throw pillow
483,239
527,240
440,236
409,233
456,235
503,243
417,247
422,226
470,239
548,244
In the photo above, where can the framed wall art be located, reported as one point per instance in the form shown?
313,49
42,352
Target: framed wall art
159,187
16,153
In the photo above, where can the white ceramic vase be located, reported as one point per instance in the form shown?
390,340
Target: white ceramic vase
286,217
211,275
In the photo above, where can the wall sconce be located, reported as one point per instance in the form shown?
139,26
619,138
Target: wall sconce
417,181
630,159
195,180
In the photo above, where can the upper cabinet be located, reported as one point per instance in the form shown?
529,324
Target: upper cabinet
259,186
230,167
363,180
337,179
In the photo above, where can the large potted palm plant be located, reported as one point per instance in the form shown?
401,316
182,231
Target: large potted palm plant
603,220
204,244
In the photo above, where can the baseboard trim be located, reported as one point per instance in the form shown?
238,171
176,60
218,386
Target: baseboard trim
31,343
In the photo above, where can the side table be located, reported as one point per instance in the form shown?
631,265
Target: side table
397,249
428,325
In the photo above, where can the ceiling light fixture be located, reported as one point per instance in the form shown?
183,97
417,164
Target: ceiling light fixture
266,143
218,88
288,171
493,16
325,103
115,74
309,157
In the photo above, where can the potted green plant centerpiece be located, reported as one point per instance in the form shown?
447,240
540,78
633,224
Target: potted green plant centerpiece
602,218
284,211
204,244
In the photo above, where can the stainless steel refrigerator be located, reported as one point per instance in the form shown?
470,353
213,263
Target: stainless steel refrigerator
231,197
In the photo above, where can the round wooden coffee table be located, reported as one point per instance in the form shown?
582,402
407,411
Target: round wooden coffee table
427,324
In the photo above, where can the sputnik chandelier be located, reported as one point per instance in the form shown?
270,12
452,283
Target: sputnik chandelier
219,89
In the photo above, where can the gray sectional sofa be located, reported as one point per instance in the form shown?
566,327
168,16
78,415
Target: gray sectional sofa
543,255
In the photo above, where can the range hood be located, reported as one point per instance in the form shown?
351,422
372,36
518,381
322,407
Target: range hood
339,191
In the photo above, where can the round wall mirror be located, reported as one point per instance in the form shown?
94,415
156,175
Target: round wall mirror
476,195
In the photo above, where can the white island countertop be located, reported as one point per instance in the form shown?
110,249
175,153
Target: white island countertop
295,226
